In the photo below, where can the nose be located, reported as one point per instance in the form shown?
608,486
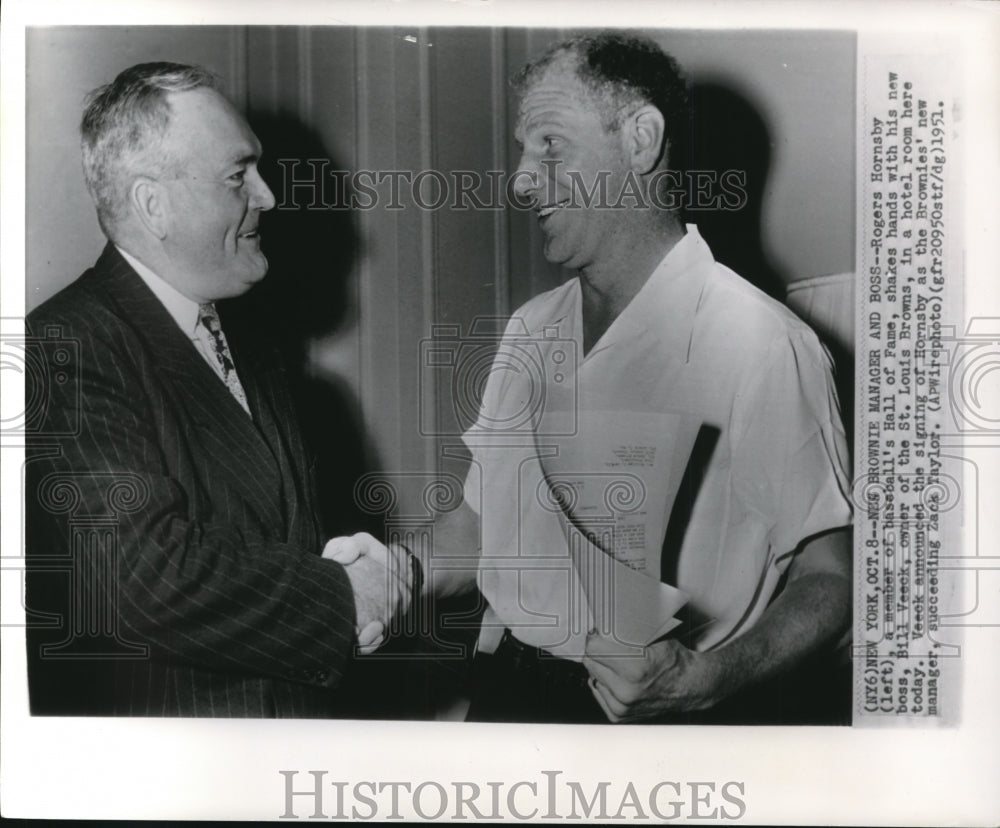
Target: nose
526,179
261,197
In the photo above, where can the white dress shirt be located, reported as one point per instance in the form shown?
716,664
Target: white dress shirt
184,311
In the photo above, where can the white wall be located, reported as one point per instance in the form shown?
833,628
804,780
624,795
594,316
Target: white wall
803,87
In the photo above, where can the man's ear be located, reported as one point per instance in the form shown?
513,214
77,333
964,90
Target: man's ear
645,136
148,200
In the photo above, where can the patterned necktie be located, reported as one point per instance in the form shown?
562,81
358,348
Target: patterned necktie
208,316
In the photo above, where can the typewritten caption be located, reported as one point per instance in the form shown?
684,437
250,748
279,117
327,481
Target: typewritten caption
904,655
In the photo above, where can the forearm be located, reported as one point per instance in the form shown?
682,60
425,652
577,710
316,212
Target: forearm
813,611
235,600
203,594
190,579
450,560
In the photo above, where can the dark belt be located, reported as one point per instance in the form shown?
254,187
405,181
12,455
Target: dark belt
521,683
516,655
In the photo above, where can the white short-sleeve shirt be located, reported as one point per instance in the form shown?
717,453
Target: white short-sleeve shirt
700,339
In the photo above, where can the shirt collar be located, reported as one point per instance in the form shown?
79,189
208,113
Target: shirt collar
183,310
665,305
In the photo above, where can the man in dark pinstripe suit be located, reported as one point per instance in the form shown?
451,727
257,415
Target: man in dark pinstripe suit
175,562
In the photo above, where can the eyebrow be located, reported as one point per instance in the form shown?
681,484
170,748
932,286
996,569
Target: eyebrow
543,120
244,160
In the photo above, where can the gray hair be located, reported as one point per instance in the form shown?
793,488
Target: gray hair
620,69
122,130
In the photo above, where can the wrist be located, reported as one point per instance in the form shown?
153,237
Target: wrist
726,671
416,574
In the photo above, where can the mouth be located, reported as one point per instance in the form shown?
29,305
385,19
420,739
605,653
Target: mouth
549,209
251,234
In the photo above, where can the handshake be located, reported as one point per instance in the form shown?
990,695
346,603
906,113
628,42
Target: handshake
385,580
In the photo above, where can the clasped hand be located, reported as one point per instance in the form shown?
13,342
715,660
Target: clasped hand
665,677
381,578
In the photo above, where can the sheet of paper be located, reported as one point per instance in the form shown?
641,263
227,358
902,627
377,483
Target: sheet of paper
545,579
625,605
615,481
592,491
617,478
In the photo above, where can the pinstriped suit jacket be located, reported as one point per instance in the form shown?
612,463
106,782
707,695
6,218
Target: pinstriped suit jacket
174,551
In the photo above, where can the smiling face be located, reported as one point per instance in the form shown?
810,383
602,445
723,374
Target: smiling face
566,152
216,198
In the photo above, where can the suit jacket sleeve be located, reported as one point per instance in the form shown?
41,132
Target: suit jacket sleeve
214,591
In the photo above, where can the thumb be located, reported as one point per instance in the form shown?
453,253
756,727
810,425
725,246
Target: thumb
343,550
371,637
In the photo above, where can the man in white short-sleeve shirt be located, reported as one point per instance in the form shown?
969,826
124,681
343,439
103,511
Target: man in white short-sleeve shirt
658,328
700,340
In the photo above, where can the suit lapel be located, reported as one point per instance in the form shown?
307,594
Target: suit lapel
235,444
274,412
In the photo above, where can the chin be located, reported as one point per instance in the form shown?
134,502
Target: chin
562,254
561,260
553,255
257,271
245,281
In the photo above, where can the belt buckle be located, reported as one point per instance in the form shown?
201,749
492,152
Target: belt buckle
519,653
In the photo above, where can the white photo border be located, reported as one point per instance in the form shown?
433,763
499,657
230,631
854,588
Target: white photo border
213,769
